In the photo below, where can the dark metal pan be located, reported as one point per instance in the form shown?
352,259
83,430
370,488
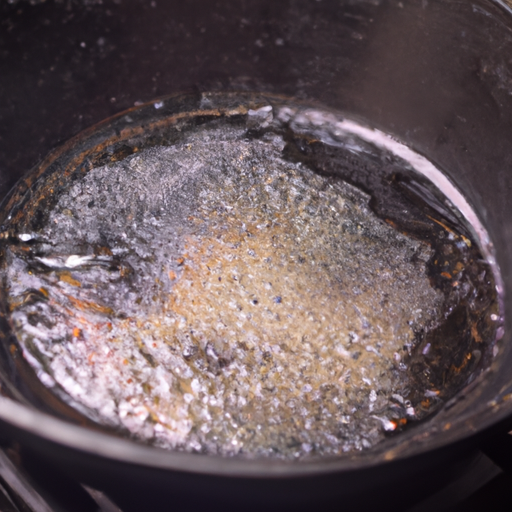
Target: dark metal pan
434,74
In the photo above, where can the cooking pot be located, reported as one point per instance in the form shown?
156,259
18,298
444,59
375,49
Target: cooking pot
435,74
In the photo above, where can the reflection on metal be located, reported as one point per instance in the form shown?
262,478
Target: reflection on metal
103,501
18,484
506,4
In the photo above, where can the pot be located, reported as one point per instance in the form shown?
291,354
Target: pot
434,74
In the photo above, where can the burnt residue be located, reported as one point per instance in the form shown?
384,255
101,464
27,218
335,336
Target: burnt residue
138,257
445,358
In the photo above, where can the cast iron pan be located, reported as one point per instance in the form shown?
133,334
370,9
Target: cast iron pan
435,74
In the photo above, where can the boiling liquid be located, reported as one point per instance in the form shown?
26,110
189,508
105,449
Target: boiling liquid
219,295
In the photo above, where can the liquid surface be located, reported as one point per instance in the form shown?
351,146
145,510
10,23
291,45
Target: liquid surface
215,296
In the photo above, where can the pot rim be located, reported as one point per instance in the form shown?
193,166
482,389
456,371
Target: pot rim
108,446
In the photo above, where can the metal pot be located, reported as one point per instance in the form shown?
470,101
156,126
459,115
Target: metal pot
435,74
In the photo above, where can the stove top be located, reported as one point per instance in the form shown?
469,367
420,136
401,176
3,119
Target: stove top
28,484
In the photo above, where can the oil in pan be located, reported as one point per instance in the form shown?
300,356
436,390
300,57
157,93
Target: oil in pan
247,276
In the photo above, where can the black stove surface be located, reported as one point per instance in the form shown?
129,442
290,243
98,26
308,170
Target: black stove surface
28,484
